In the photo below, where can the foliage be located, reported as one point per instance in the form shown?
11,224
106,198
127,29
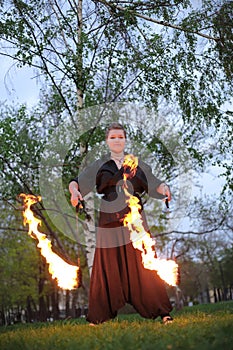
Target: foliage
132,51
20,138
202,327
19,271
175,54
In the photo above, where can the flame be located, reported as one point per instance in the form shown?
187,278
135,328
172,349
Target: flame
166,269
130,165
65,274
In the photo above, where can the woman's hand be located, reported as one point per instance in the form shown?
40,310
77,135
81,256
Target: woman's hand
76,195
165,190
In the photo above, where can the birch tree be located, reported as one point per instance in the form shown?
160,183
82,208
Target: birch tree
92,52
85,53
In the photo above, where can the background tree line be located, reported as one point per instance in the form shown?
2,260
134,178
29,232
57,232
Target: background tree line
175,57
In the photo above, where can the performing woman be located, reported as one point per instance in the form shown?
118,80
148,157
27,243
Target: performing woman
118,275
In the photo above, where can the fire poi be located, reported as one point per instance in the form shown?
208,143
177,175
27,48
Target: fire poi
67,276
168,270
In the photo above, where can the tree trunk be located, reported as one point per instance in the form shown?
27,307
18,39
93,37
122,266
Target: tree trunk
29,315
42,306
215,296
55,303
207,295
67,303
42,303
224,289
79,64
230,293
2,318
89,231
73,303
219,294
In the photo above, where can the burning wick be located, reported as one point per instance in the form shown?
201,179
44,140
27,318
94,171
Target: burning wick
167,270
66,275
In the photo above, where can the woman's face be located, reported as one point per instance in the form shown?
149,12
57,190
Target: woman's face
116,140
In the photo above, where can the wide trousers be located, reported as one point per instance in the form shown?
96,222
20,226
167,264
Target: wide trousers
119,277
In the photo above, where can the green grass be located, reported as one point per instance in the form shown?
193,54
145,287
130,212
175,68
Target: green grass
201,327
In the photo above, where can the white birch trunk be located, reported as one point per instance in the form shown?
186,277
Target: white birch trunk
89,227
90,231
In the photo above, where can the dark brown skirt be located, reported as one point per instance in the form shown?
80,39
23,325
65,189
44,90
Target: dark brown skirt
118,277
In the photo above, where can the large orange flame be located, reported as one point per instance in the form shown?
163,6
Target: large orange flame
66,275
142,240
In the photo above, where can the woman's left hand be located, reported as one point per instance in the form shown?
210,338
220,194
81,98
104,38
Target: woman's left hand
165,190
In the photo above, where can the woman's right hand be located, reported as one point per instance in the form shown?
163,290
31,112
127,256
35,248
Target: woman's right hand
75,197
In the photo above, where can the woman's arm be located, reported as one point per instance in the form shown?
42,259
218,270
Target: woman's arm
84,182
153,186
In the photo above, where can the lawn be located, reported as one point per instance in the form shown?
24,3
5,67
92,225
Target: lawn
202,327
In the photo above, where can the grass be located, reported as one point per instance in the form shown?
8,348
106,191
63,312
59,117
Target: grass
202,327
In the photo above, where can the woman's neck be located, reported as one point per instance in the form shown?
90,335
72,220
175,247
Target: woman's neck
117,156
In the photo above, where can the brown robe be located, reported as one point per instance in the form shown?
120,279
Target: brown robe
118,276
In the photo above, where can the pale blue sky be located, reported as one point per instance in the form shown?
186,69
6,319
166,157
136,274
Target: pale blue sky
17,85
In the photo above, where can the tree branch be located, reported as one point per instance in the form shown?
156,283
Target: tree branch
13,229
40,54
198,233
162,23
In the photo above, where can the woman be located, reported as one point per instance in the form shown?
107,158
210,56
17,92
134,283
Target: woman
118,276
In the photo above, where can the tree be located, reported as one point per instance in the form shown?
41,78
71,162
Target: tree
93,52
101,51
19,269
22,136
204,251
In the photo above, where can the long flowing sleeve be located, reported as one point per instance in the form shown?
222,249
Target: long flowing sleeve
148,180
86,180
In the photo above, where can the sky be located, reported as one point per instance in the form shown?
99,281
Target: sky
17,85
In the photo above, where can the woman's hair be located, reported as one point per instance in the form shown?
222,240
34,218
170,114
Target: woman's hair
115,126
